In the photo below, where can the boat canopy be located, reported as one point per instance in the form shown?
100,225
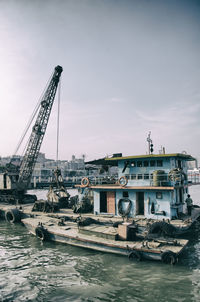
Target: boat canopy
113,161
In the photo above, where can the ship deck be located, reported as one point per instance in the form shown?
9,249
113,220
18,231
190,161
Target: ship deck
103,238
26,210
101,234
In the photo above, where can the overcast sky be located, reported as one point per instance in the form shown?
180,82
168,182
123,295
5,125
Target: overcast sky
129,67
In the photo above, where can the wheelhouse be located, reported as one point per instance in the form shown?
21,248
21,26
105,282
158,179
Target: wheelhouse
151,186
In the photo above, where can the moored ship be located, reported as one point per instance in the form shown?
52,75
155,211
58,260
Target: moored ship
150,189
140,213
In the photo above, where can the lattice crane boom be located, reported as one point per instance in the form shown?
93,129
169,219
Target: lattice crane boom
38,131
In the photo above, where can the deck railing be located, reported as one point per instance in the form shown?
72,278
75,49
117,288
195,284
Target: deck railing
132,180
140,179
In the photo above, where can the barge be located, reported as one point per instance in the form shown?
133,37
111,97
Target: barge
105,233
106,238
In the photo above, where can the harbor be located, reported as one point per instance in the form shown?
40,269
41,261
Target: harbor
99,158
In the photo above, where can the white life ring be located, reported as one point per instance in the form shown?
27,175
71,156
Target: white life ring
123,181
85,182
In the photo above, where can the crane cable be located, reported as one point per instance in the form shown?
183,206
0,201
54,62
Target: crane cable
30,121
58,121
27,127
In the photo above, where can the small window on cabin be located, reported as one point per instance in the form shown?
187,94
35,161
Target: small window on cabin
146,176
133,176
159,195
146,163
127,176
125,194
140,176
133,164
151,176
152,163
139,163
159,163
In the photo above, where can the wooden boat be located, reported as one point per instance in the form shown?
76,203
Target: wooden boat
105,238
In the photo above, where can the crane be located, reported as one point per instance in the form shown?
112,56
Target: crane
13,186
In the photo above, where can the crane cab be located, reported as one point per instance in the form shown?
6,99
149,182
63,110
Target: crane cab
8,181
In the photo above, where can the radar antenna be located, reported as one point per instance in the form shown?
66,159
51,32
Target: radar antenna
150,143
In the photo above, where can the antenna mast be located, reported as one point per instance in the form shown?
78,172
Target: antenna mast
150,143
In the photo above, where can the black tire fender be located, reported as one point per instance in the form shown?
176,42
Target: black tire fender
168,229
135,255
13,215
169,257
41,233
126,212
162,227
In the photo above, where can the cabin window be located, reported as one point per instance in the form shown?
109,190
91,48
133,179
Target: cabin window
139,163
140,176
133,164
127,176
159,195
125,194
146,163
152,163
133,176
159,163
146,176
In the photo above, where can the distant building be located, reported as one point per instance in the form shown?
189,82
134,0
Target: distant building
44,167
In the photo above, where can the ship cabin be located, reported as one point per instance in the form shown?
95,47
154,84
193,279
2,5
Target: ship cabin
148,186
